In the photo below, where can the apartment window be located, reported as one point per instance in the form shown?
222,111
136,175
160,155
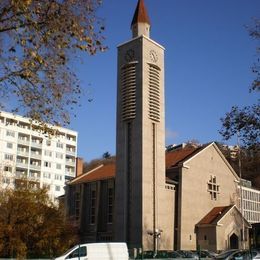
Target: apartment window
48,153
93,207
9,157
58,177
6,180
59,155
57,188
48,142
59,145
58,166
8,169
9,145
47,164
46,175
213,187
110,205
10,133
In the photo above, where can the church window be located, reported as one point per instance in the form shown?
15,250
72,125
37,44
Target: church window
77,205
128,83
154,93
110,205
93,207
213,187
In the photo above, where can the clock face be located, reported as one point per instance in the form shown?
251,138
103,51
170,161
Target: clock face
153,56
129,55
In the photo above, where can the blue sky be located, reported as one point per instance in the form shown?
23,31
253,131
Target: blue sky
207,69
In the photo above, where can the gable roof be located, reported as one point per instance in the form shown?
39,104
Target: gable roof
217,214
102,172
173,158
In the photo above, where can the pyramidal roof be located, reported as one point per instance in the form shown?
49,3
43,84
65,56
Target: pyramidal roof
141,15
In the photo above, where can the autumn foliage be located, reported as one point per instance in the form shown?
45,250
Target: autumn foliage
39,41
31,226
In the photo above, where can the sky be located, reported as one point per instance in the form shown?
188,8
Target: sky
208,58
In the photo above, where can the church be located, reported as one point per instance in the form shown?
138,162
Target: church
150,198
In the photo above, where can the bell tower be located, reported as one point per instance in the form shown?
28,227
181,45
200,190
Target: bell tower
141,198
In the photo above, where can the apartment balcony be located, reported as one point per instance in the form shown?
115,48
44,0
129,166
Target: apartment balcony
34,178
70,163
21,175
36,155
36,144
70,173
24,141
23,153
35,167
70,152
22,164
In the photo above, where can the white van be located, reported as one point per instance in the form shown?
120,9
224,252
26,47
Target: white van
97,251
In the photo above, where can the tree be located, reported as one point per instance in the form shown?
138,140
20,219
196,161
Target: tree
250,161
106,155
39,40
31,226
245,122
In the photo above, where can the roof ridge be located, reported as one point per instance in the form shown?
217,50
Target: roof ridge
86,173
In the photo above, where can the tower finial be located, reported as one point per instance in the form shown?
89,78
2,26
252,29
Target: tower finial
141,23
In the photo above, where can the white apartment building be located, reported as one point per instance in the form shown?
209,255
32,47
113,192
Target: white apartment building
251,204
28,154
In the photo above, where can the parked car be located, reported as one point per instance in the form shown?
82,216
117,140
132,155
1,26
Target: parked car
236,254
226,254
188,254
205,254
174,254
97,251
245,255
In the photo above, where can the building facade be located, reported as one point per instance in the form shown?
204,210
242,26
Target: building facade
203,192
205,181
90,202
28,156
251,202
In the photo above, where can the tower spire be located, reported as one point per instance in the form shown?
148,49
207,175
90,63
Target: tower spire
141,22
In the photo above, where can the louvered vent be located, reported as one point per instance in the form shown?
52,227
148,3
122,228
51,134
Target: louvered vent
128,77
154,93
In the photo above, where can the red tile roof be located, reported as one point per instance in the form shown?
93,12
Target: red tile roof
215,215
103,172
173,158
141,15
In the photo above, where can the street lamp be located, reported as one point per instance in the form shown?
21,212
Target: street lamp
156,236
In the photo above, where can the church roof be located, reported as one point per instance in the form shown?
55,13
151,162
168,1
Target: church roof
173,158
102,172
140,15
215,215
